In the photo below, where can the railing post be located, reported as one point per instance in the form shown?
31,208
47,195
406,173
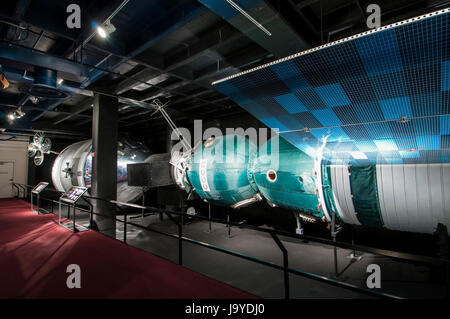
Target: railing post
285,264
125,220
209,215
15,186
91,217
180,237
333,235
24,192
228,223
143,202
74,213
180,245
125,226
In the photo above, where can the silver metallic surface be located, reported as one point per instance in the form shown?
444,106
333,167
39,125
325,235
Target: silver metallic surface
73,167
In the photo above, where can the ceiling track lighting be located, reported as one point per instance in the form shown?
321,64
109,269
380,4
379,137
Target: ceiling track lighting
248,16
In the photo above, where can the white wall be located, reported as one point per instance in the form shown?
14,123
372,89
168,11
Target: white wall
16,152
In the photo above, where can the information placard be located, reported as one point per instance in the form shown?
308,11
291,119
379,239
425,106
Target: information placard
73,194
39,187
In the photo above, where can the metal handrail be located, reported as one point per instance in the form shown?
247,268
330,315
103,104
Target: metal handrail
376,251
273,233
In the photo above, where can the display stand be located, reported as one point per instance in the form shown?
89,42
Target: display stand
70,198
36,190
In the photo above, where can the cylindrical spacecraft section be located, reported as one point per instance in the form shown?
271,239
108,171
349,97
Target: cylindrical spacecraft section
285,177
227,171
217,171
403,197
68,168
73,167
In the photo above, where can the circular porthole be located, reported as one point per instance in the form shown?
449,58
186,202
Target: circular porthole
271,175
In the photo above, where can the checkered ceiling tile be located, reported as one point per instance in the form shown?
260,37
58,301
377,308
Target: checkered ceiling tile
382,96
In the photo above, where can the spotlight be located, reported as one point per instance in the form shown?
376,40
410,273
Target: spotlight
106,29
17,114
101,32
60,81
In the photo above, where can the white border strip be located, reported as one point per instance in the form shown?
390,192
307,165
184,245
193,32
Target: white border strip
340,187
393,25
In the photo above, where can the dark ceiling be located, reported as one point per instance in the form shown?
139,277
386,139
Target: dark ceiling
169,50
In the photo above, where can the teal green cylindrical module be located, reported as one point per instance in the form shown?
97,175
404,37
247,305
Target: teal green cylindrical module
218,170
285,176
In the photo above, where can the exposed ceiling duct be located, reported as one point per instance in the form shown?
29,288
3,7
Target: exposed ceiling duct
45,85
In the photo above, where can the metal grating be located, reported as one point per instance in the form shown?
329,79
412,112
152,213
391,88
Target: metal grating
382,96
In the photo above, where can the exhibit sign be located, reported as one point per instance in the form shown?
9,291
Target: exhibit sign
70,197
39,187
73,194
36,191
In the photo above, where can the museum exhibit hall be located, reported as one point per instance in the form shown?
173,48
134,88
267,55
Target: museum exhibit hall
226,156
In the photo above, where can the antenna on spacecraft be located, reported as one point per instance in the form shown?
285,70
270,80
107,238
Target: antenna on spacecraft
179,160
160,107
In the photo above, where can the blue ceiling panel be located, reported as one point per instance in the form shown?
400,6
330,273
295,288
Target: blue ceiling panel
291,103
382,96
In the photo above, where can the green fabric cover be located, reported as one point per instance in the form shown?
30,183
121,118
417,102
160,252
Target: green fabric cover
365,195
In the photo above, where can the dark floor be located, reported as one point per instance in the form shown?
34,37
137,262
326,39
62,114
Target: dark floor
398,278
402,279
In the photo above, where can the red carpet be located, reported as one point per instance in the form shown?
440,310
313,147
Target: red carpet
35,252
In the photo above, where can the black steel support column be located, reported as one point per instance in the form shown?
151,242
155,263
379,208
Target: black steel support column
104,161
